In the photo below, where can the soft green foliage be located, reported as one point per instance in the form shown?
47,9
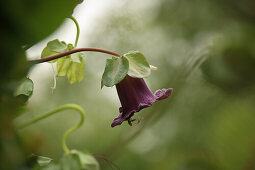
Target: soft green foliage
47,53
87,161
43,161
138,65
77,57
57,46
115,70
71,66
63,65
36,162
25,88
24,23
75,72
75,160
54,47
132,63
69,162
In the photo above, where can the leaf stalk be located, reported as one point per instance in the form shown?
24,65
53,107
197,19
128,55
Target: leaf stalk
61,108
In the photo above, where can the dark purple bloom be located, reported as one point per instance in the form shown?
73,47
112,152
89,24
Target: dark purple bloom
135,95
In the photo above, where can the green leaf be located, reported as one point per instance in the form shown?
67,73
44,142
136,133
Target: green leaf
115,70
138,65
77,57
70,162
47,53
63,65
50,167
77,160
72,67
75,72
43,161
54,47
57,46
87,161
36,162
25,88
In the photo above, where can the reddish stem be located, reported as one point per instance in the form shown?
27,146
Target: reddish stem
71,52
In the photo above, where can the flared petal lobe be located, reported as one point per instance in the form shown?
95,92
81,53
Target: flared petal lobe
135,95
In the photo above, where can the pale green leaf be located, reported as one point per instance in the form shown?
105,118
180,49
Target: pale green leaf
63,65
115,70
25,88
71,66
54,47
50,167
75,72
47,53
70,162
77,57
57,46
138,65
87,161
43,161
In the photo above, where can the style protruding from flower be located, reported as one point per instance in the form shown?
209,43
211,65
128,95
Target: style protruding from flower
134,96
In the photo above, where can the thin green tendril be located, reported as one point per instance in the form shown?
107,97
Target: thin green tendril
61,108
78,30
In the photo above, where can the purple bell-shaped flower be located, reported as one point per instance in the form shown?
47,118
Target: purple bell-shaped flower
135,95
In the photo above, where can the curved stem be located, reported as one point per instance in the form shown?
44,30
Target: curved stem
71,52
61,108
78,30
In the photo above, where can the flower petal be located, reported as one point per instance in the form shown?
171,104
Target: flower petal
128,114
164,93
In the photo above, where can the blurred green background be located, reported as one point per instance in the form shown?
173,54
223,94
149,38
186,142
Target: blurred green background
204,49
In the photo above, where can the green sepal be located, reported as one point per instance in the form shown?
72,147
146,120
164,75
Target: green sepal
138,65
115,70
